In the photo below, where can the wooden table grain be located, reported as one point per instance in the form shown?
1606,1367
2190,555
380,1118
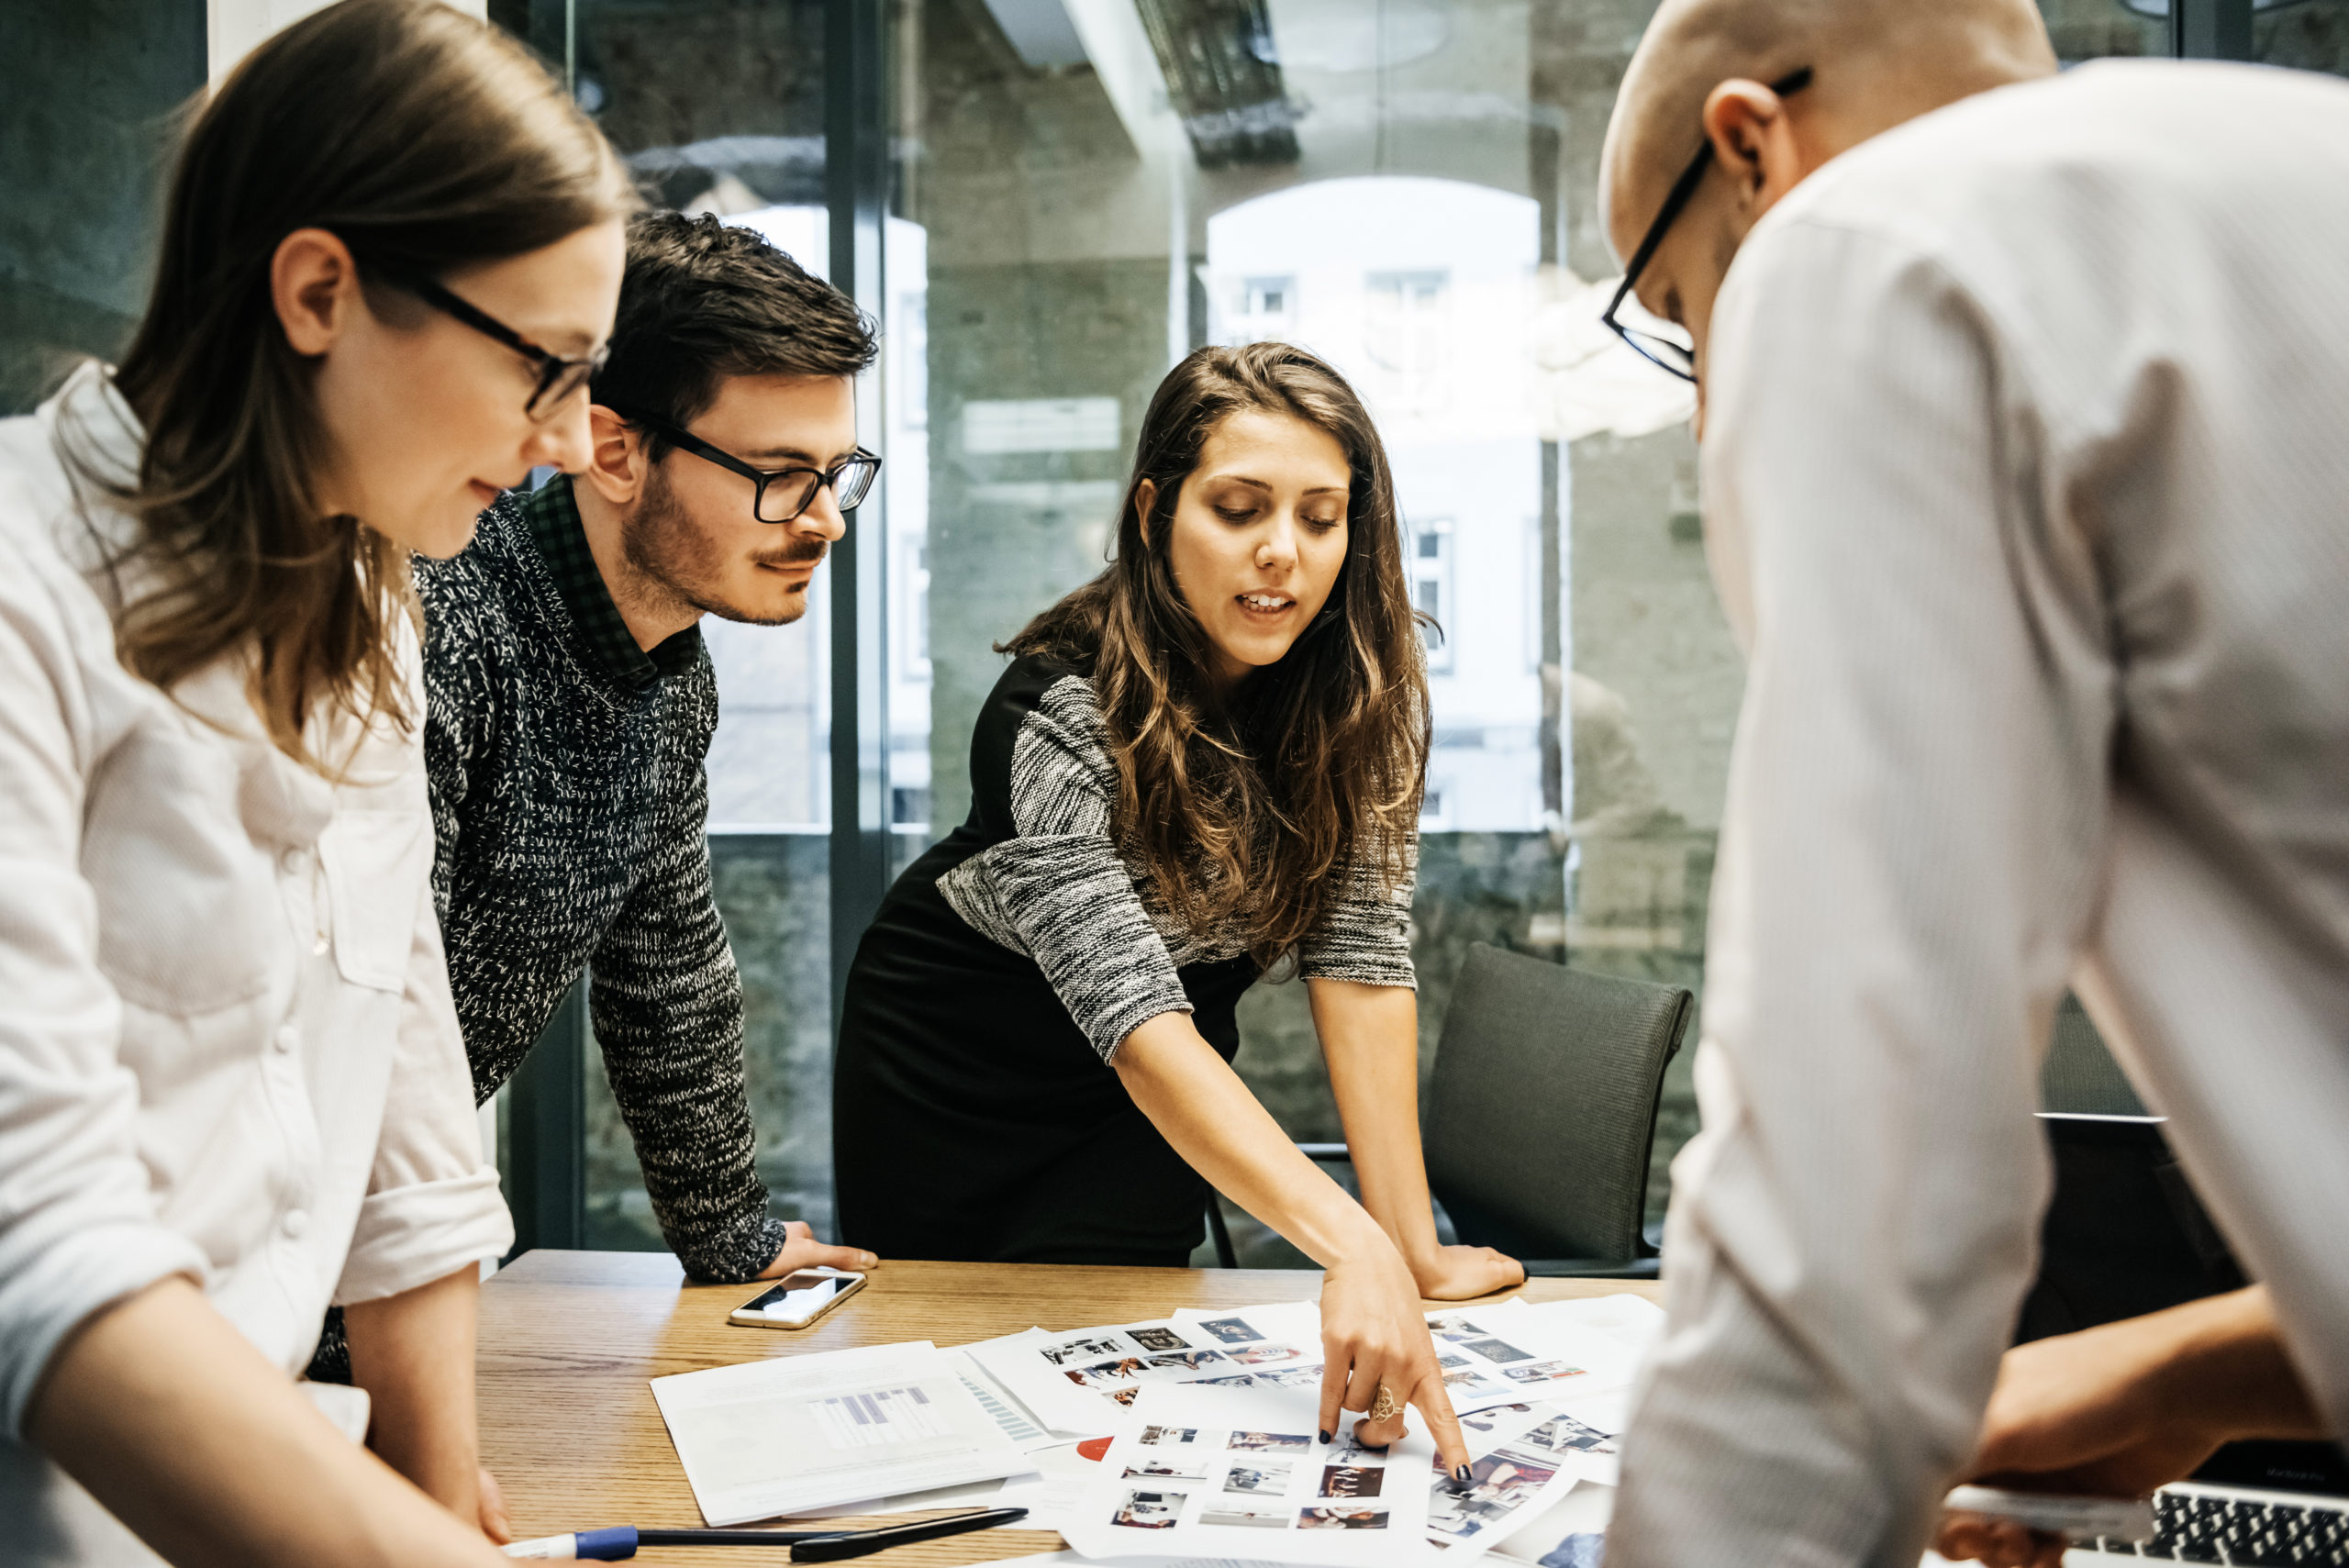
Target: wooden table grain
569,1340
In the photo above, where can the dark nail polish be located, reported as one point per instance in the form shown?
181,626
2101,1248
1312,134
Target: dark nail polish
1462,1475
1325,1439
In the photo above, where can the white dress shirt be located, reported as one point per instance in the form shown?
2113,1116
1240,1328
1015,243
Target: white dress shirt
2027,485
227,1044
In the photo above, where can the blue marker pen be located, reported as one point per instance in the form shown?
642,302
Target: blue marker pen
619,1542
614,1545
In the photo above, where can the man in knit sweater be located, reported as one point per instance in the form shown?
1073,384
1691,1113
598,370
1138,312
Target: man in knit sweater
571,705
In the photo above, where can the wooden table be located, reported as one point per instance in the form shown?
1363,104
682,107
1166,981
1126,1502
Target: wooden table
568,1340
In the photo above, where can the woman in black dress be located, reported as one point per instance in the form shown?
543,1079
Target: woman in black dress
1202,764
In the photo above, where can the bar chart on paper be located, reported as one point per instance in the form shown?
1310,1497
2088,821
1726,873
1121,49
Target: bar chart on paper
881,1415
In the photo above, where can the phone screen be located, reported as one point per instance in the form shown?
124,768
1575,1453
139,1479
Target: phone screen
797,1296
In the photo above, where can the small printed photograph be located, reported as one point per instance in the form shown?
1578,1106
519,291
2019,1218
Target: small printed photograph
1500,1485
1230,1330
1267,1479
1305,1376
1467,1377
1342,1518
1351,1481
1104,1375
1122,1395
1351,1450
1453,1328
1563,1434
1542,1371
1169,1469
1496,1350
1150,1510
1186,1360
1158,1339
1450,1363
1485,1421
1241,1519
1271,1442
1257,1355
1243,1381
1080,1351
1169,1436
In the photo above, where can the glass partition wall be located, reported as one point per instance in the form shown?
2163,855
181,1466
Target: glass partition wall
1051,201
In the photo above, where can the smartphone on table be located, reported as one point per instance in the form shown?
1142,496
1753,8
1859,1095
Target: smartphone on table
797,1299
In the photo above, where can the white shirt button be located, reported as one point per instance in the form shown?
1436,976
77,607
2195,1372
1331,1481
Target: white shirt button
297,1221
319,948
289,862
285,1039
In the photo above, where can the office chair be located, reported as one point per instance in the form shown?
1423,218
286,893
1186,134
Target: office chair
1542,1113
2080,1077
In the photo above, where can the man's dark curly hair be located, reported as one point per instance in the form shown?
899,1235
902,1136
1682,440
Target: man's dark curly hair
703,300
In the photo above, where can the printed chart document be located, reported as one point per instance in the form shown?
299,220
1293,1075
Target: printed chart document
1202,1470
797,1432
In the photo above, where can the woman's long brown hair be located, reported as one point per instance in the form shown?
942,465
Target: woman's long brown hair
426,140
1263,806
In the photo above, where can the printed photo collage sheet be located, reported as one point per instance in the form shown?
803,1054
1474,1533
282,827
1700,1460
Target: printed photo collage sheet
1539,1401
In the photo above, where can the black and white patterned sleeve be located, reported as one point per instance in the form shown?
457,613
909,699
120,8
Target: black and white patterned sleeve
1058,891
1366,934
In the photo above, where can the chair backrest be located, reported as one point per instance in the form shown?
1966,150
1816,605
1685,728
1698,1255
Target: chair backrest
1542,1107
2079,1077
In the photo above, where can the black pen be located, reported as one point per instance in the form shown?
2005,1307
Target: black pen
620,1541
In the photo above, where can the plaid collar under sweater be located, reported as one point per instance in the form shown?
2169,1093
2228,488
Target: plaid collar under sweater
553,519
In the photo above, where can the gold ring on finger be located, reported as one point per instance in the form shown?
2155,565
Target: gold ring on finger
1385,1407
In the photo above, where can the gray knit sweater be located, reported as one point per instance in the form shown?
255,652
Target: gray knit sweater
571,808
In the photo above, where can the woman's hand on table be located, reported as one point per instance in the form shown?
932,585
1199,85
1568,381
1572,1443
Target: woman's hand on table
802,1251
1373,1332
1463,1273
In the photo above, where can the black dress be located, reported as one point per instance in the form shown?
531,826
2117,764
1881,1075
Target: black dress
975,1114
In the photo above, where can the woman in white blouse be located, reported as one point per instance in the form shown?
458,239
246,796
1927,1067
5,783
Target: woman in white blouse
231,1086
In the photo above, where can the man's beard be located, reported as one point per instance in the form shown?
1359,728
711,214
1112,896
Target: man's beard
678,562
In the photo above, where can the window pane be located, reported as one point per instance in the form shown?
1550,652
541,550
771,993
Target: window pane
2089,29
717,106
1408,189
86,115
2310,33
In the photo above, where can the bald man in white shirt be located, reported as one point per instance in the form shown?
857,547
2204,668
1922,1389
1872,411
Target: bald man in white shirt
2026,471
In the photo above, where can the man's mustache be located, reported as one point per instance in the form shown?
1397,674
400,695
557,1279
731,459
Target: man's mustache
807,554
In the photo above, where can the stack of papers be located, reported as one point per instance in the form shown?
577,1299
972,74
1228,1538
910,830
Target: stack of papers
799,1432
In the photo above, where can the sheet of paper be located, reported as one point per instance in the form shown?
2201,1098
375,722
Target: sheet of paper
798,1432
1027,1433
1202,1470
1503,1354
1495,1356
1080,1381
1566,1534
1077,1558
1633,1322
1049,1492
1517,1470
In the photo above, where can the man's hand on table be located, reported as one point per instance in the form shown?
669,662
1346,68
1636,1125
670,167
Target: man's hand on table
2120,1410
804,1252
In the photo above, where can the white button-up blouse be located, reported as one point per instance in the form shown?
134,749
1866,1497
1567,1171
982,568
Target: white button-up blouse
226,1045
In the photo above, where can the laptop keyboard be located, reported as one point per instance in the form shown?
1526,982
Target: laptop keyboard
2204,1527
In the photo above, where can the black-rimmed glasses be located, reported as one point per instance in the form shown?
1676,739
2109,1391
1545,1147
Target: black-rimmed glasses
558,377
1678,358
783,494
